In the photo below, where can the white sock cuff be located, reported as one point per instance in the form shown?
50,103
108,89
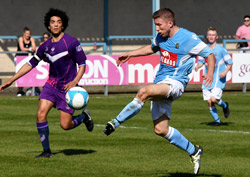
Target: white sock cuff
170,133
138,103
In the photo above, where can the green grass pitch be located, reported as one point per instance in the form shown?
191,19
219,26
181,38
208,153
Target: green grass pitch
133,149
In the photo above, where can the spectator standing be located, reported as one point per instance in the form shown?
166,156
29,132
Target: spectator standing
243,32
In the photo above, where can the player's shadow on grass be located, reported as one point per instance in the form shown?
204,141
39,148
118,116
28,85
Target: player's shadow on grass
70,152
213,124
189,175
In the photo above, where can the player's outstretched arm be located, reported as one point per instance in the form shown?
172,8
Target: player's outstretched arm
143,51
209,77
24,69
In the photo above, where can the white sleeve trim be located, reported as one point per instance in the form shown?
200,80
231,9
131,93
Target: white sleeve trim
29,63
37,58
81,65
227,57
198,48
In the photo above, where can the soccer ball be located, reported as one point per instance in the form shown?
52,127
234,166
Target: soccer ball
77,98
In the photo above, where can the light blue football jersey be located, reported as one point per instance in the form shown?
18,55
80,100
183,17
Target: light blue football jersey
177,55
222,60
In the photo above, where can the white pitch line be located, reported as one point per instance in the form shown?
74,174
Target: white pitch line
222,131
205,130
99,125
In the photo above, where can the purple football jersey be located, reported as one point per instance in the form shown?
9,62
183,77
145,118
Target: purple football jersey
62,57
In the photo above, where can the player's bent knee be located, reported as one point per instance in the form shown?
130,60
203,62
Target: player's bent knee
213,100
41,117
142,94
65,126
160,131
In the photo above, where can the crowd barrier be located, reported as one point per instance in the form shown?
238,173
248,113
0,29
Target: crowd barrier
102,70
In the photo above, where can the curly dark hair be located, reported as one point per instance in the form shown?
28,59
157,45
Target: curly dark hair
58,13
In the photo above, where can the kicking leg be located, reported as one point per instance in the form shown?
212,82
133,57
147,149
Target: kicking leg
177,139
150,92
128,111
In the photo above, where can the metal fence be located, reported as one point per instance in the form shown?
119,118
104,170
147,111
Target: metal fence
7,53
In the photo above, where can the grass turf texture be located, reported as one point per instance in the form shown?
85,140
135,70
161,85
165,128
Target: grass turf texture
133,149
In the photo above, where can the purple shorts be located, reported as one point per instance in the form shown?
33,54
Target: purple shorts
57,97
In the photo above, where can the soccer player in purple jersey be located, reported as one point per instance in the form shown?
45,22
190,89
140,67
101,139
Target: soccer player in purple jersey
178,48
63,53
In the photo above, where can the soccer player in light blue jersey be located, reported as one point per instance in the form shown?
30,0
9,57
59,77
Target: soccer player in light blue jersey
63,52
178,48
223,64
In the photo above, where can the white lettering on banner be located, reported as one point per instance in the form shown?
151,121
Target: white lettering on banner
95,68
43,70
196,76
93,82
151,71
102,68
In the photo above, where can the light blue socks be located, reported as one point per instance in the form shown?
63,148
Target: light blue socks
129,111
222,104
177,139
213,112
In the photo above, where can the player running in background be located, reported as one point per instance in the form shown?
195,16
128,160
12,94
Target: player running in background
62,52
223,64
178,48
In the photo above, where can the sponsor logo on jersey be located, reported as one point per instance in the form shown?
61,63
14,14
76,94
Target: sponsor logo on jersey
78,48
194,37
52,49
177,45
168,58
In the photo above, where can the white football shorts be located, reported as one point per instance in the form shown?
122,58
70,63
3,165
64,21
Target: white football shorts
215,92
158,108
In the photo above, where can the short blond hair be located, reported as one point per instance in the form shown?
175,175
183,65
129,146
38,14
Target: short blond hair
212,29
165,13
